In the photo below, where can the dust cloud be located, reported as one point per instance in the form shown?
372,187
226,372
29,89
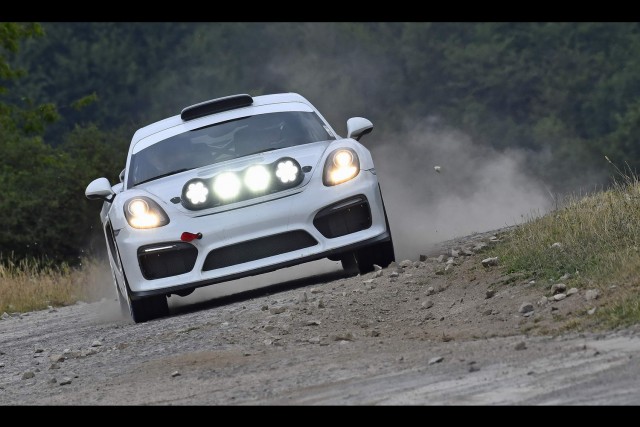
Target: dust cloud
437,184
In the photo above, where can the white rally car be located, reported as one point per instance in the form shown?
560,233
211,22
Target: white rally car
234,187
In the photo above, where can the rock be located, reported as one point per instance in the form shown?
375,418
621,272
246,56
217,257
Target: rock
376,267
268,328
368,281
348,336
440,272
526,307
450,260
320,303
54,366
489,294
302,298
554,309
556,245
1,365
558,288
479,246
39,348
427,304
473,368
65,381
4,316
57,358
489,262
591,311
312,323
28,375
592,294
96,343
277,310
435,360
448,268
440,258
565,276
377,274
314,340
375,333
543,301
264,307
487,312
521,346
394,274
406,263
430,290
393,265
466,252
423,258
454,253
315,291
175,374
572,291
559,297
52,380
417,264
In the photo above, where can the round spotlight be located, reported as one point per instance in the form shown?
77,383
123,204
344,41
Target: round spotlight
287,171
197,193
257,178
227,185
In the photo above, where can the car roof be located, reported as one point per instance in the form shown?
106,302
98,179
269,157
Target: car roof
276,98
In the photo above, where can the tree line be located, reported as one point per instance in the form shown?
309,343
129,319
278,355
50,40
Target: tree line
72,94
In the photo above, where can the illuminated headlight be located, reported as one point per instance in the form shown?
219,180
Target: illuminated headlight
143,212
257,178
287,171
197,192
341,166
227,185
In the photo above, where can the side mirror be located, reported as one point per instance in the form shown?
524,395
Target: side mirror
99,189
358,127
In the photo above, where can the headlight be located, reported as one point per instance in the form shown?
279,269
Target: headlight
257,178
227,185
341,166
143,212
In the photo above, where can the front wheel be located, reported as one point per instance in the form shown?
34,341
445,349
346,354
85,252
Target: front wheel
145,308
381,254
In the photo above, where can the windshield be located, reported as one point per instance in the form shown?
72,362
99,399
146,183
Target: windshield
225,141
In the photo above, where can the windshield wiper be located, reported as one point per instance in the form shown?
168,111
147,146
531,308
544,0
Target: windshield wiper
163,175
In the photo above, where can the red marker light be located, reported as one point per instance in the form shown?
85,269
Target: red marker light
187,237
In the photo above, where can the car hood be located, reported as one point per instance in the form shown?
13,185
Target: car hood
170,188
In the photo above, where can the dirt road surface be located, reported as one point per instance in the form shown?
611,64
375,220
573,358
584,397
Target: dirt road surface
444,331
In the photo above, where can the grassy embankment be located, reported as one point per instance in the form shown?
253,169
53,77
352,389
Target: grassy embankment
599,237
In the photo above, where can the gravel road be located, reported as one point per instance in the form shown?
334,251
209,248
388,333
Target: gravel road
444,331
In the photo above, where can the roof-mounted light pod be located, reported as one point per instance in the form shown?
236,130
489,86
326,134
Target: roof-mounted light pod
217,105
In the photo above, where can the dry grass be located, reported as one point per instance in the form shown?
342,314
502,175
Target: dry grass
34,285
599,245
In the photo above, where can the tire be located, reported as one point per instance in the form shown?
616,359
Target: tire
145,308
350,264
148,308
381,254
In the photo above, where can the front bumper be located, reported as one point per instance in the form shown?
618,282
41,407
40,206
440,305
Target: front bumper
315,223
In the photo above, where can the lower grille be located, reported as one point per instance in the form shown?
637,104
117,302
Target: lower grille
165,260
344,217
258,249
